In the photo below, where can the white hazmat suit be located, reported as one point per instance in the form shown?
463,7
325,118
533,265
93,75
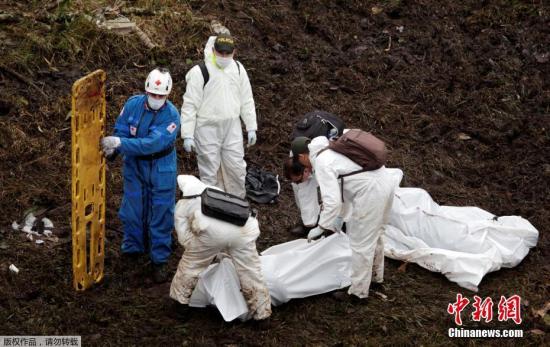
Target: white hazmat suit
462,243
210,115
368,197
204,238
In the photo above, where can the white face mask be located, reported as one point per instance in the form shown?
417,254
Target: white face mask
155,104
223,62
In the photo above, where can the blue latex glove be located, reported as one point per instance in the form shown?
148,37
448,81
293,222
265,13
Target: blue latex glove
251,138
188,144
338,223
314,233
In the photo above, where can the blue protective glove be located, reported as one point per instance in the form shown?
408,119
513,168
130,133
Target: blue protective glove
251,138
338,223
188,144
314,233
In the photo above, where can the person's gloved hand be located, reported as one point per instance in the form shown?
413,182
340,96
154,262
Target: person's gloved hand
107,153
338,223
109,144
314,233
111,155
188,144
251,138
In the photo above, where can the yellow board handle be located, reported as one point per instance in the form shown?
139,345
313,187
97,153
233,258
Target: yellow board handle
88,180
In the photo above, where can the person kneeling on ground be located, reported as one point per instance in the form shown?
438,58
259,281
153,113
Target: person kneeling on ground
204,238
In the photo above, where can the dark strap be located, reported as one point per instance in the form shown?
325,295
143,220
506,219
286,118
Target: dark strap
341,177
191,196
205,74
238,66
352,173
157,155
324,149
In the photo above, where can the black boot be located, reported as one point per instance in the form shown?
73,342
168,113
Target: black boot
343,296
263,324
174,309
160,273
128,262
180,311
131,257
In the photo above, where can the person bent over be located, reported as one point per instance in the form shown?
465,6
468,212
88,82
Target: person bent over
369,195
204,237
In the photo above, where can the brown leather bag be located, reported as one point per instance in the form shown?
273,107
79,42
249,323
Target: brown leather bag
363,148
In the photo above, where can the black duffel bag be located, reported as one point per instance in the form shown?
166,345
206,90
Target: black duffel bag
223,206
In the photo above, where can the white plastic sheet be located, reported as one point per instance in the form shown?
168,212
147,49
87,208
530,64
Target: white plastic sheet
463,243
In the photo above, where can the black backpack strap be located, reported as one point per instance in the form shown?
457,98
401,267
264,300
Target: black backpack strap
321,151
238,66
352,173
205,74
341,177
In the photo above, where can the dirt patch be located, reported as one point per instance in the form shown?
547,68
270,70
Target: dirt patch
458,89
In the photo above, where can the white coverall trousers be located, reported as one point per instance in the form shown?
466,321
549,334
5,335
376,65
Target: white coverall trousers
220,155
202,246
371,195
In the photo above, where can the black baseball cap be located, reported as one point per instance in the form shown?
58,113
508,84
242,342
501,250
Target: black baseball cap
224,44
299,146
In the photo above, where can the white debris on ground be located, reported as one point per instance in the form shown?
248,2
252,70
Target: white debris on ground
14,269
120,25
218,28
47,223
38,230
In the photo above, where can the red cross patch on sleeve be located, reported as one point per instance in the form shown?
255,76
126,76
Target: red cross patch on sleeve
171,127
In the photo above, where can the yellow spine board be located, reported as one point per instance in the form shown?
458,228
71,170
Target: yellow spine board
88,179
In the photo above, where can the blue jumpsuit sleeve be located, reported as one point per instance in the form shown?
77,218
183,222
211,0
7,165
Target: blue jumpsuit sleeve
162,135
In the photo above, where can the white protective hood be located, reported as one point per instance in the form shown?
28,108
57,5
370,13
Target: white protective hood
190,185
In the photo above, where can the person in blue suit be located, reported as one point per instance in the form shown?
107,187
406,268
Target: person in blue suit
145,134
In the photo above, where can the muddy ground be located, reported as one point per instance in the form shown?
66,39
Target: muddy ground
459,90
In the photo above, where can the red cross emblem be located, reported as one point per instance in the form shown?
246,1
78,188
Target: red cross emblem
158,82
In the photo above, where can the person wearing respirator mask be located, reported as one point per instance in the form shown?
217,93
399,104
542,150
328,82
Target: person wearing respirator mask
145,133
218,94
